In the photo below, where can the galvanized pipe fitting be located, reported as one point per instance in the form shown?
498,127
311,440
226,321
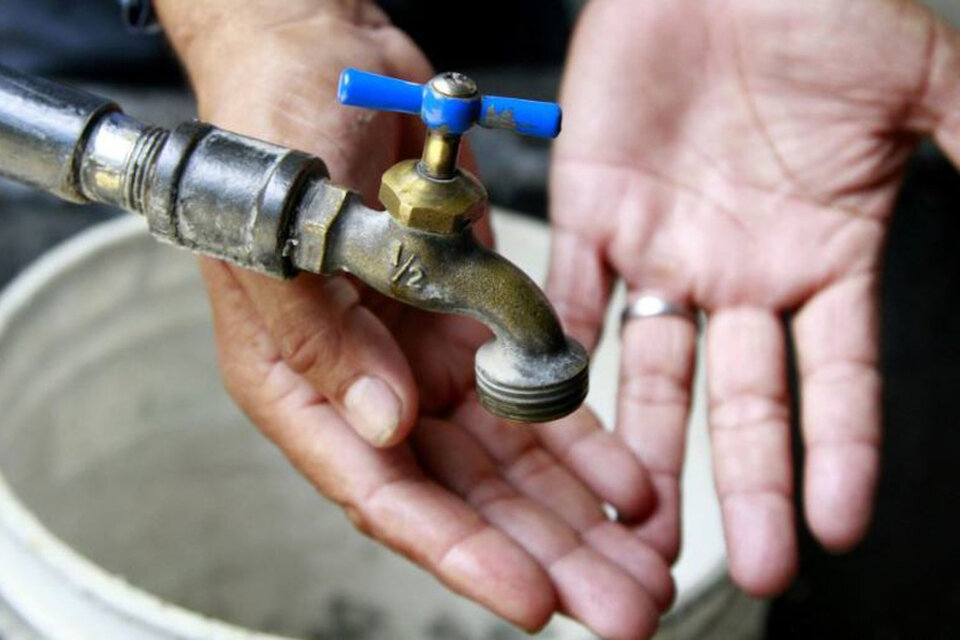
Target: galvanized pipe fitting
273,210
226,195
44,128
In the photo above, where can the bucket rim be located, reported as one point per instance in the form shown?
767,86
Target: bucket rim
82,575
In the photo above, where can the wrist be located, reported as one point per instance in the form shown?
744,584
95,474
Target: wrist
200,32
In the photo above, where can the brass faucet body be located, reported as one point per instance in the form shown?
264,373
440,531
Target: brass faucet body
530,372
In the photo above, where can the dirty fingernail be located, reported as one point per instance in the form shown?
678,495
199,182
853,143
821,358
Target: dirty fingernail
373,409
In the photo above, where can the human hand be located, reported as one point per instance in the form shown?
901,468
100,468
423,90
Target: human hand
509,516
743,156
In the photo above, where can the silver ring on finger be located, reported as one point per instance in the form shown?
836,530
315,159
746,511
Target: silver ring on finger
652,306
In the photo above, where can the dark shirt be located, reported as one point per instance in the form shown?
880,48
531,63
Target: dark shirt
81,39
87,40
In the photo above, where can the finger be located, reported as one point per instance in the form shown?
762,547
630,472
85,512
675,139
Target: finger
455,339
529,467
602,461
639,559
382,491
749,420
836,336
590,587
578,285
538,475
346,354
581,448
939,108
656,372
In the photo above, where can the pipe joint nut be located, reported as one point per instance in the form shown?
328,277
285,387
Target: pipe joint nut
252,186
427,204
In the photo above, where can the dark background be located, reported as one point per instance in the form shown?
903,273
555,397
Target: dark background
902,581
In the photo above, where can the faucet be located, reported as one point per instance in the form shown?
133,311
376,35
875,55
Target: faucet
274,210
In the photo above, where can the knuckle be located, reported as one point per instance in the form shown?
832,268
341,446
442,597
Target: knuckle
843,372
304,352
657,389
361,522
232,386
748,409
233,382
530,464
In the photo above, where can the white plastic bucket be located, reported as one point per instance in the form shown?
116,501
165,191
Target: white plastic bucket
137,503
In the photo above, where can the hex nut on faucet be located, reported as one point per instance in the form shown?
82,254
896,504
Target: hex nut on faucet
426,204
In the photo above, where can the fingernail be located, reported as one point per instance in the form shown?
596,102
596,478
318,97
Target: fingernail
373,409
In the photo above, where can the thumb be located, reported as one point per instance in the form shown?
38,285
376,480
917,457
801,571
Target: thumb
320,331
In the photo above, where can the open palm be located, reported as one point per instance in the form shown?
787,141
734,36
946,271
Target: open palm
509,516
743,156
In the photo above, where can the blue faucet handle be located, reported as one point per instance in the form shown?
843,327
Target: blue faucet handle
373,91
449,103
527,117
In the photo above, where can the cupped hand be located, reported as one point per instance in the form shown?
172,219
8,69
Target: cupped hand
373,400
743,156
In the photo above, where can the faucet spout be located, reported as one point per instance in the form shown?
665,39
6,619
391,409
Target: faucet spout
530,371
448,273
